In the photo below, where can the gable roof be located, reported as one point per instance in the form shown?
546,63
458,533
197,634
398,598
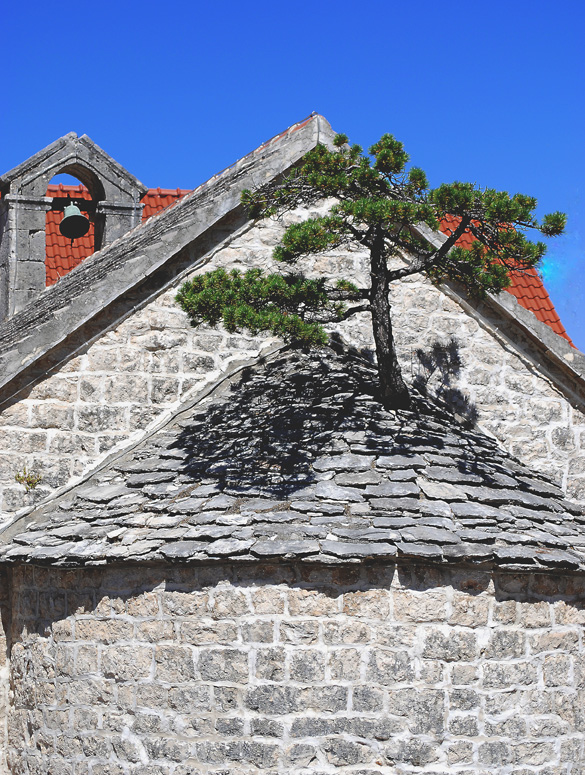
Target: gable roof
125,263
296,458
172,242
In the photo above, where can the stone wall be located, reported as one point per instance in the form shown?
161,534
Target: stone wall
370,670
146,364
4,668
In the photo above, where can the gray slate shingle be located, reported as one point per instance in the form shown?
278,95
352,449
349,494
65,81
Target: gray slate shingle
299,460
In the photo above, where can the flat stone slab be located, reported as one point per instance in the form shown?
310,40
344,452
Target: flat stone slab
328,490
441,491
347,462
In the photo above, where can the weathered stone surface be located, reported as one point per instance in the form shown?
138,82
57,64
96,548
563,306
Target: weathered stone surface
346,462
418,669
347,549
393,489
442,491
401,461
277,666
204,502
337,493
183,549
284,548
429,535
156,358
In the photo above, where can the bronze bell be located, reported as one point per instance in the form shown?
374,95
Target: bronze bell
74,224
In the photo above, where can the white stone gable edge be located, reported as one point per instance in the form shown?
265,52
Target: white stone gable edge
108,274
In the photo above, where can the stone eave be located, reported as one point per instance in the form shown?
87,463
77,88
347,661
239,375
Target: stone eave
112,272
554,348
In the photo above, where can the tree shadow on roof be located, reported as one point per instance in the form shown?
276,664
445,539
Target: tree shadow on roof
262,437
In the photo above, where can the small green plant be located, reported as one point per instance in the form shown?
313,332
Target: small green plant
28,479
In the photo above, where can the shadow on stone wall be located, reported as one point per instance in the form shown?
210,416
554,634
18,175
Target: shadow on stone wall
200,648
44,596
439,368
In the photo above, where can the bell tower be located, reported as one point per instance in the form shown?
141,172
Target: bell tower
115,203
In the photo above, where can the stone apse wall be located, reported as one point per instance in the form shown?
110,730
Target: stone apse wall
281,669
146,364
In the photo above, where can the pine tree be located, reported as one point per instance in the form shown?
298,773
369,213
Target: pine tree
392,213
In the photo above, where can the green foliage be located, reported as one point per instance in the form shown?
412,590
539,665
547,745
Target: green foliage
553,224
29,479
391,212
378,199
287,305
390,156
312,236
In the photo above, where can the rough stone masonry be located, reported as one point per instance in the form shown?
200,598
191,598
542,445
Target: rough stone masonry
375,669
350,590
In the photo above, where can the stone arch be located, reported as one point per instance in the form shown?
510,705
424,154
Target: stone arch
89,179
115,195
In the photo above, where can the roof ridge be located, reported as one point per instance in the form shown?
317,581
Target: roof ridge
84,292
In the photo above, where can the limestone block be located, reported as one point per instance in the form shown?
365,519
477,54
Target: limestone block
174,664
127,663
419,607
270,664
345,665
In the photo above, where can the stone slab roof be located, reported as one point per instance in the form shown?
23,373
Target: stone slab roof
122,265
296,458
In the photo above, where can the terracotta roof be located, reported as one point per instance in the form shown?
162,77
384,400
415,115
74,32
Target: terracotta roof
300,461
158,199
526,286
62,257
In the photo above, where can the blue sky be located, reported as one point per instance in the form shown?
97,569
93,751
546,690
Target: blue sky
175,91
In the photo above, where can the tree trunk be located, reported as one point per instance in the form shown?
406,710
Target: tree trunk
393,391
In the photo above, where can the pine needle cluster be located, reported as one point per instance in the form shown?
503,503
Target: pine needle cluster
290,305
392,212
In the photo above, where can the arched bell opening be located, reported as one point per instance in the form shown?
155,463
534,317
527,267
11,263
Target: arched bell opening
33,251
61,254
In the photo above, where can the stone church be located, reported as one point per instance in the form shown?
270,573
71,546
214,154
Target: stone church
220,555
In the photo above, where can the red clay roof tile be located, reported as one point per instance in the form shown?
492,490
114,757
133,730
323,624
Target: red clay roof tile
526,286
158,199
61,255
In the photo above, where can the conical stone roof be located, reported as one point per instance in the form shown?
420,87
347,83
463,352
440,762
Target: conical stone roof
296,459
